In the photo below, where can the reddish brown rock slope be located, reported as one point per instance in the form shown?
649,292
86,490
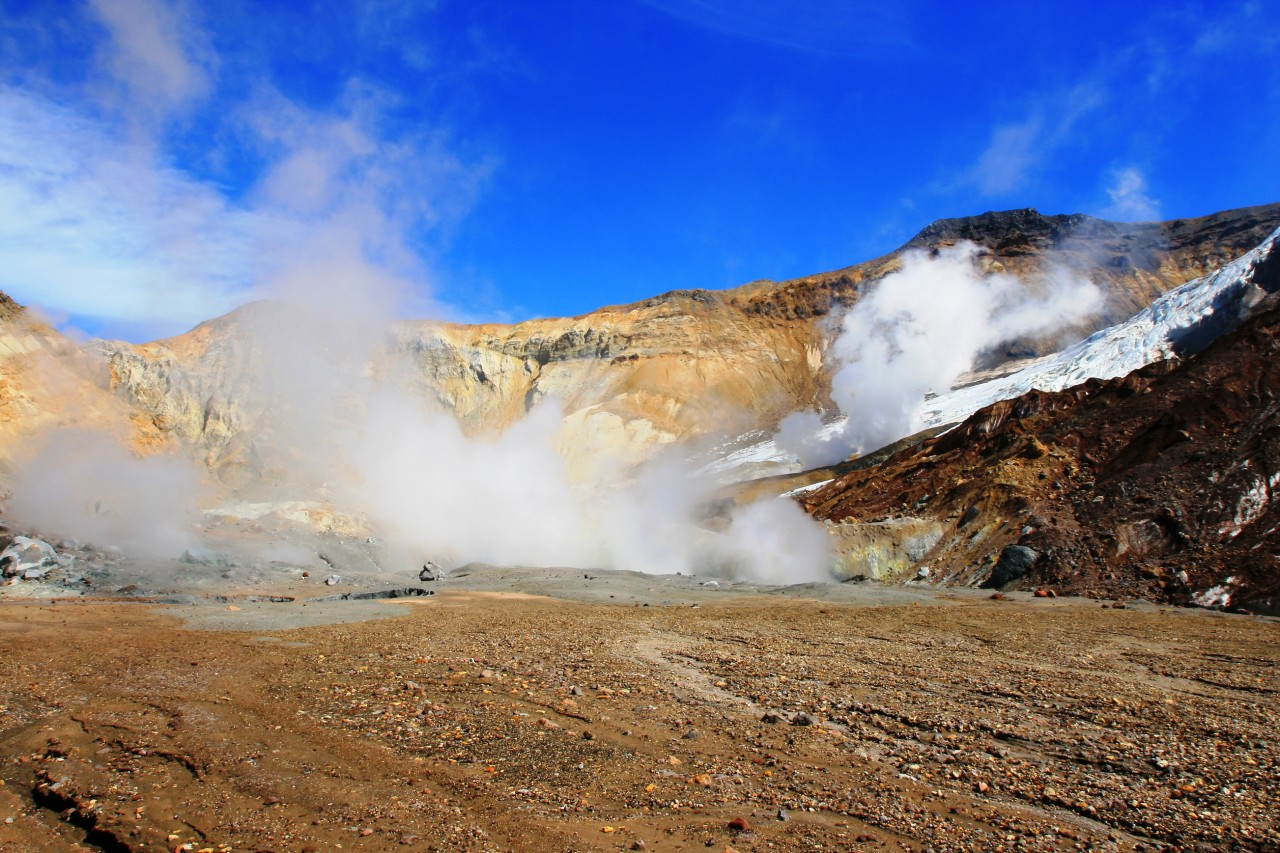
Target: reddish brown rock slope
1159,484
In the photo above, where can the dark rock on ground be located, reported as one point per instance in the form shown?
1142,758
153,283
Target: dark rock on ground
1016,562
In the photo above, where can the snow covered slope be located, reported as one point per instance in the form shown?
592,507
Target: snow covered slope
1181,322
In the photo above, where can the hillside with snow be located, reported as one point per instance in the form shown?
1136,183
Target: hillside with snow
1179,323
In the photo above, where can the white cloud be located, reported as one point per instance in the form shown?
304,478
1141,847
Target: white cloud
96,226
155,50
1130,201
1019,151
1014,152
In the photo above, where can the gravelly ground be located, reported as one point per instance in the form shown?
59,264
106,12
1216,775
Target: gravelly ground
487,721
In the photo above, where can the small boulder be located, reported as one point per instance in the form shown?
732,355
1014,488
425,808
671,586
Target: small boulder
199,554
27,554
1015,562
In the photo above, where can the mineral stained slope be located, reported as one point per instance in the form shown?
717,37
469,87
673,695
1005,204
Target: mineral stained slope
46,381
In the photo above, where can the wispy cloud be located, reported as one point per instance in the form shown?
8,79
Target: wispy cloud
104,221
1120,104
807,25
1241,27
1015,151
156,51
1019,150
1130,200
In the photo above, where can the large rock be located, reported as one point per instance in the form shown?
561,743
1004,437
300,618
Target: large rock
1015,563
27,556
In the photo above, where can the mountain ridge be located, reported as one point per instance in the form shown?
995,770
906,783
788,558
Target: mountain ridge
675,367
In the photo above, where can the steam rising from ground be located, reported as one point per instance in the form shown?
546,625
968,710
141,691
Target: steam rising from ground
916,333
86,484
327,408
327,405
508,499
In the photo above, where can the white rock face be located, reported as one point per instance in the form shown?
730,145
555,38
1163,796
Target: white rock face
28,558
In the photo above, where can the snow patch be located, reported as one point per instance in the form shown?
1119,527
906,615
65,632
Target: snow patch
1217,595
1248,508
812,487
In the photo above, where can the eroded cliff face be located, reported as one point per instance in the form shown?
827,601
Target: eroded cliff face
630,379
635,378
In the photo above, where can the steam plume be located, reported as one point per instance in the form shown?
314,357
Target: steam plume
917,332
338,414
85,484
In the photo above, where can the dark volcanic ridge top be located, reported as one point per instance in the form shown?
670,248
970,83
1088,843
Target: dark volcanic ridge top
1133,262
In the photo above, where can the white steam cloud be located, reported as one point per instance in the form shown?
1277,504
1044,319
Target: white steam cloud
86,484
652,526
329,414
916,333
332,413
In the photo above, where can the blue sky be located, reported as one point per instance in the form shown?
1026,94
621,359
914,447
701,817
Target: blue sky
162,161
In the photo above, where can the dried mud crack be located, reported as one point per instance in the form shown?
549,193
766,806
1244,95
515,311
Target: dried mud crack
499,722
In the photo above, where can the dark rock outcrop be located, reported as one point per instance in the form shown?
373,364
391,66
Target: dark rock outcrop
1015,563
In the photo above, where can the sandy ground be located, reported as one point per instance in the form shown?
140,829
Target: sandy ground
634,713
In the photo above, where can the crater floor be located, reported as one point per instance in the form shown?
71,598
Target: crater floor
506,720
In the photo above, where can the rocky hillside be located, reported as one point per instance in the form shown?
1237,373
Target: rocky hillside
45,380
675,367
1158,484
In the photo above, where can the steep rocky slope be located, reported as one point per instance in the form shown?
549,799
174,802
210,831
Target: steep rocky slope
675,367
1159,483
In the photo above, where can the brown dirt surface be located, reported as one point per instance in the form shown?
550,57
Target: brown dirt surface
513,722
